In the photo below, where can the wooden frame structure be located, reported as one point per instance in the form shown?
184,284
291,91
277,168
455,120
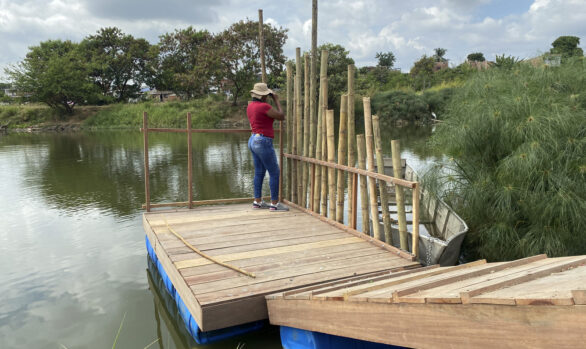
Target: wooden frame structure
535,302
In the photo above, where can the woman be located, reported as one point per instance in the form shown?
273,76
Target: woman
261,116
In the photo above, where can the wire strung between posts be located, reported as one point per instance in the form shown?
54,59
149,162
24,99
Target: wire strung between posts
207,256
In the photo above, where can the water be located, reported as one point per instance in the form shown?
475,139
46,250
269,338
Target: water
72,254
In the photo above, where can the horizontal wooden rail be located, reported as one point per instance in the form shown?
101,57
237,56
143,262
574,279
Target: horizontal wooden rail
397,181
211,130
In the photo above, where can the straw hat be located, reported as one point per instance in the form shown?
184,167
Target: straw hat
260,89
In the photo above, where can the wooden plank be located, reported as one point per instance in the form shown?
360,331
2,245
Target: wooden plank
219,219
290,257
285,284
437,325
287,271
554,289
224,274
399,296
208,243
268,252
265,245
558,265
340,291
180,285
384,290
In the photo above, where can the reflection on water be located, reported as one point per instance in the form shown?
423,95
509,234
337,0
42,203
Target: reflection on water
72,246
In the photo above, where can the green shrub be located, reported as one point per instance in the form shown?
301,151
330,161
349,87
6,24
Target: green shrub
205,113
410,106
517,169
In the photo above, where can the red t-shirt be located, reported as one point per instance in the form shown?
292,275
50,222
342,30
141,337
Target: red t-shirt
260,122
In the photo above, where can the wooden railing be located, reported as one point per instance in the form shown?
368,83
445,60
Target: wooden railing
306,201
188,130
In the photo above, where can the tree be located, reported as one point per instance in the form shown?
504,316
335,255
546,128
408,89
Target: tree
235,53
476,57
54,73
338,61
506,62
181,62
422,72
386,60
119,62
567,46
439,54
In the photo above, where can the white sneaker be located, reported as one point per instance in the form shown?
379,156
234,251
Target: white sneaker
278,207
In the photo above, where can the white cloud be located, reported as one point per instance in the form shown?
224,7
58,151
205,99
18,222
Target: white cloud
409,29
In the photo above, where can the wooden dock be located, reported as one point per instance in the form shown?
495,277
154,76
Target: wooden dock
535,302
284,250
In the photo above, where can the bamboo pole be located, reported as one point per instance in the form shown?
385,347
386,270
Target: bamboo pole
294,141
261,47
415,210
189,162
399,195
342,141
370,164
331,158
361,147
289,126
312,92
380,166
354,201
147,190
305,130
299,122
324,151
351,133
315,205
320,120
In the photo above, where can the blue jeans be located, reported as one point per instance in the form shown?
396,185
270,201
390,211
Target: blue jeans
265,160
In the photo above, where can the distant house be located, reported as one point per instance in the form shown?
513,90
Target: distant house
437,66
14,93
552,59
162,96
480,65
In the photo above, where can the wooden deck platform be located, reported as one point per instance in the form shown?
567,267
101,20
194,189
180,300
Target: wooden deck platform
535,302
284,250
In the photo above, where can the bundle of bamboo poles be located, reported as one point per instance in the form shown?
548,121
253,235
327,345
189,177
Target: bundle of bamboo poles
311,135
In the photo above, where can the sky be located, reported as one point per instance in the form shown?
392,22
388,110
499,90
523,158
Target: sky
410,29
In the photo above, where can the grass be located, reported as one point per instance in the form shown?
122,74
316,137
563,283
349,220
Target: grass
516,140
205,113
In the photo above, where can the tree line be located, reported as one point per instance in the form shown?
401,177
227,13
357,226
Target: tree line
112,66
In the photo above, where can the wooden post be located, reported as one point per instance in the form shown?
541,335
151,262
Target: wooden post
289,120
324,151
399,195
351,133
147,190
294,141
305,167
380,166
354,201
312,92
261,47
332,159
370,165
342,141
361,147
298,123
320,121
189,162
415,210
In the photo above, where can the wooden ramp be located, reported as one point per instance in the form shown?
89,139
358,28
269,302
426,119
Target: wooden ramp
284,250
528,303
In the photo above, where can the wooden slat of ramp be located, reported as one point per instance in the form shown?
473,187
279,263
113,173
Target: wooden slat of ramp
283,250
532,302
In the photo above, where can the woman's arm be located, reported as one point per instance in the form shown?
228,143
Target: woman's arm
276,114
